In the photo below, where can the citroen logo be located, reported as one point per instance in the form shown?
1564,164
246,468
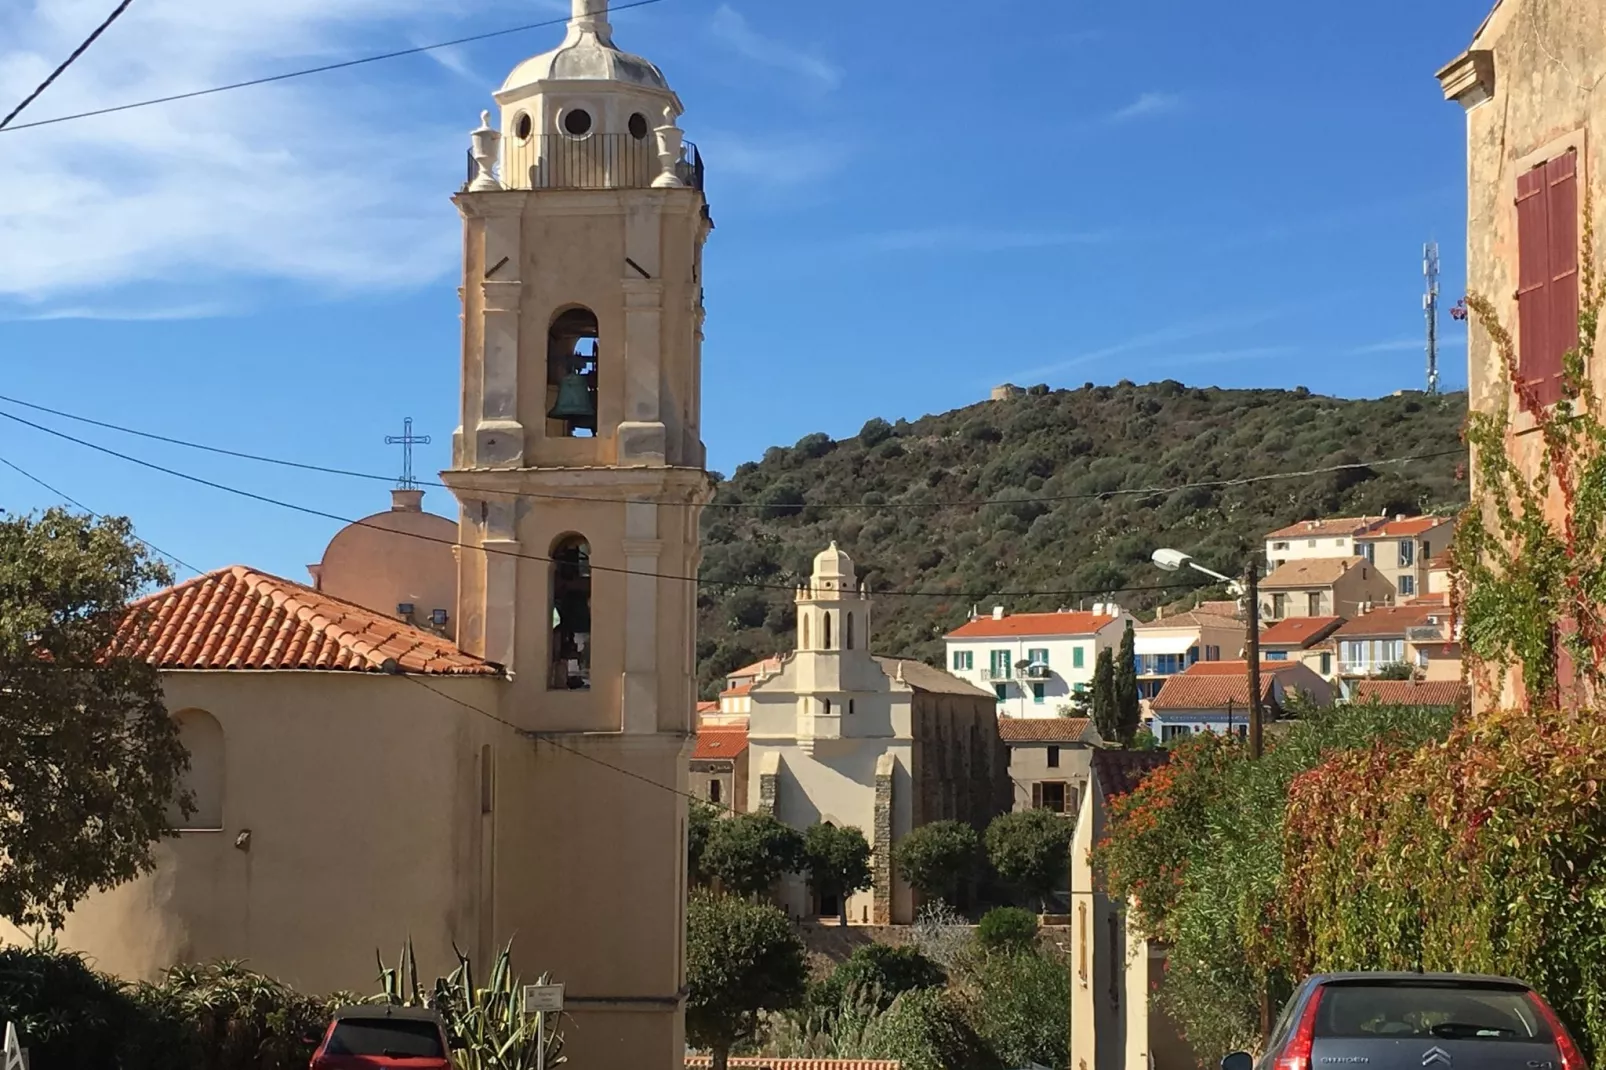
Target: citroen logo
1436,1057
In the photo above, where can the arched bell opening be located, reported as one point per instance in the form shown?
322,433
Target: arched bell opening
571,374
571,615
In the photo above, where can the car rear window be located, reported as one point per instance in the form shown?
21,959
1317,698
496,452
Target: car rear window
1445,1012
395,1037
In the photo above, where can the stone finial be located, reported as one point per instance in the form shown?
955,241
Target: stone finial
590,15
485,141
671,146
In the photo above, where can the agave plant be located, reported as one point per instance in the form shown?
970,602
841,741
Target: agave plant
485,1025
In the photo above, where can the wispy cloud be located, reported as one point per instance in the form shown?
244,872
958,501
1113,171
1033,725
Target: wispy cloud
1222,356
971,240
124,314
732,28
1146,106
1164,336
1405,345
780,160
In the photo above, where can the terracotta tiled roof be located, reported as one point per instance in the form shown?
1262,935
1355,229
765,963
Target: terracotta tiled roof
1407,693
719,742
768,665
1389,621
768,1062
1031,624
1310,571
1299,631
707,707
1043,729
922,677
1117,772
1184,692
1411,525
736,692
1441,599
238,618
1330,528
1439,562
1192,618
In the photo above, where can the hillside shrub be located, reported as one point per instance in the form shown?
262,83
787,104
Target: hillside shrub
939,859
882,973
1004,928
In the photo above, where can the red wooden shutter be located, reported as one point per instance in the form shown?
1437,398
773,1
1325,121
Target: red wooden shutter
1533,272
1561,182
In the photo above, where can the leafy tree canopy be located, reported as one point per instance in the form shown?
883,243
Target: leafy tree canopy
742,958
837,861
1031,850
82,730
882,973
749,852
938,858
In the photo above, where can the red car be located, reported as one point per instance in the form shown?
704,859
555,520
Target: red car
383,1038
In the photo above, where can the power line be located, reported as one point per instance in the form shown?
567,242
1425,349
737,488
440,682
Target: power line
69,499
68,62
310,511
1084,496
309,70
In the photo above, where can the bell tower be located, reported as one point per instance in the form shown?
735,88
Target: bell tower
579,471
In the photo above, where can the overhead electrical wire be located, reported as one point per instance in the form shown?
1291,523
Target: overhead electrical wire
325,514
1145,492
68,62
304,72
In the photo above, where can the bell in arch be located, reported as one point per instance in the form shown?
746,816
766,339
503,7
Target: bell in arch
576,405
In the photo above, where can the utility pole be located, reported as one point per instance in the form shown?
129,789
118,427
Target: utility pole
1252,652
1430,309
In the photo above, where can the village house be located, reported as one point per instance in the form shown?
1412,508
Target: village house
1171,642
1034,663
1048,760
1401,548
1115,1024
1303,639
368,772
1323,587
719,766
884,745
1418,637
1214,697
1450,694
1329,538
1529,82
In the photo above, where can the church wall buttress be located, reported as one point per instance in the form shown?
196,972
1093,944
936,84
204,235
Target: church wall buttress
643,550
499,435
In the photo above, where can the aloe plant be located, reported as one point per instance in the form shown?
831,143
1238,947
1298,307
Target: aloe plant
485,1024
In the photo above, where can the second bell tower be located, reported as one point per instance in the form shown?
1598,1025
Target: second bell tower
579,469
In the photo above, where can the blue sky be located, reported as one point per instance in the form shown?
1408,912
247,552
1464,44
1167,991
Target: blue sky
914,201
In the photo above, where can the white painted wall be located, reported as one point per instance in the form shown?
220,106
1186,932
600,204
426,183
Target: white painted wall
1065,672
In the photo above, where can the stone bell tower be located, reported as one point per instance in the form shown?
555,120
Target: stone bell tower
578,467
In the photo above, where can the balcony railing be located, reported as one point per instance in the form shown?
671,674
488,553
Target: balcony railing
600,161
1034,671
997,676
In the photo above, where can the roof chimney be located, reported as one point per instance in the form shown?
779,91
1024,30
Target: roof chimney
1159,612
406,500
998,613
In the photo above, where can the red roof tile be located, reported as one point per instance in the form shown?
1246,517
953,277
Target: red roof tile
1411,525
1184,692
736,692
768,665
1117,772
1233,668
1311,571
1439,562
1031,624
707,707
238,618
1409,693
1328,528
1043,729
1391,621
1299,631
719,742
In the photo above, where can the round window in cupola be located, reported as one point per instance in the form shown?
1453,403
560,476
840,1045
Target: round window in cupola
576,122
522,126
638,126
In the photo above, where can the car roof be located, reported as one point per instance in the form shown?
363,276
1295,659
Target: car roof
386,1010
1388,976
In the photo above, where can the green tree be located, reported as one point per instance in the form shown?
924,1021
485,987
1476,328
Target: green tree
881,972
90,763
1128,712
742,959
1398,670
837,862
1106,709
938,859
1007,928
701,818
1020,1004
927,1029
748,853
1143,739
1031,850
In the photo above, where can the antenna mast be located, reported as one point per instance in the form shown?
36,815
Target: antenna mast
1430,309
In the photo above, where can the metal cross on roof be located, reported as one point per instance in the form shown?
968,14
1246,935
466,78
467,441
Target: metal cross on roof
407,440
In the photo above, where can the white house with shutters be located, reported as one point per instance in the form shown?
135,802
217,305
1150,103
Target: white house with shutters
1035,662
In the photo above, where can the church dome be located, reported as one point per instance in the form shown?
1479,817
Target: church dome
587,54
833,564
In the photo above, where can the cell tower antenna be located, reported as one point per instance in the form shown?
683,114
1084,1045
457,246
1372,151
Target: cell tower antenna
1430,309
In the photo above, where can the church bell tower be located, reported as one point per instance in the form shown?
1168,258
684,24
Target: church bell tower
579,470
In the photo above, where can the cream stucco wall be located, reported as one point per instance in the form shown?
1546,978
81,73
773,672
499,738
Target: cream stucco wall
1342,597
361,797
400,556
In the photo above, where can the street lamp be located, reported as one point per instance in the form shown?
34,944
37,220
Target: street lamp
1171,561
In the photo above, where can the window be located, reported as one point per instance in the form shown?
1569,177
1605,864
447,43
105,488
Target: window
1279,546
1193,654
847,632
1053,757
964,659
1049,795
638,126
571,374
1311,543
487,779
825,632
1327,664
577,122
1352,1011
713,791
1313,603
1366,550
1168,732
1547,272
998,664
1279,605
522,127
1038,656
403,1038
805,643
571,614
827,710
1002,691
1407,553
850,707
1037,693
202,737
1076,657
1407,584
1275,655
1212,653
